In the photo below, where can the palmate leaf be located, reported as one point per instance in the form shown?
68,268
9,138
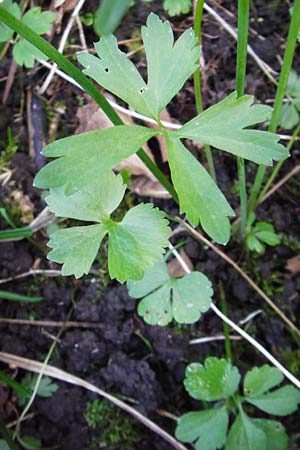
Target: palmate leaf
169,66
83,157
246,435
208,428
39,22
199,196
165,298
134,244
25,53
216,380
223,126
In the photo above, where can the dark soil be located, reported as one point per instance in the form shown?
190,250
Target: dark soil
122,354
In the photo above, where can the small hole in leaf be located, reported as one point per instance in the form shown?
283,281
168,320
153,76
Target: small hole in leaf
278,427
106,69
147,313
165,311
142,90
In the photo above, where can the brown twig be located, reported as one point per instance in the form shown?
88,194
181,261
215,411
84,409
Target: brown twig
49,323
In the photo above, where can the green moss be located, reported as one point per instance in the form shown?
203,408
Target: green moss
113,429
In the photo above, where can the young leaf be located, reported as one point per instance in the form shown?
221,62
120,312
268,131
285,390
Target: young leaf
25,53
254,244
177,7
136,242
169,65
289,116
116,73
216,380
277,438
199,196
76,248
46,387
268,237
83,157
245,435
183,299
208,428
261,379
280,402
39,22
93,203
7,33
223,126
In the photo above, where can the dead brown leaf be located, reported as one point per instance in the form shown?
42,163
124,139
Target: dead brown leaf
293,265
175,269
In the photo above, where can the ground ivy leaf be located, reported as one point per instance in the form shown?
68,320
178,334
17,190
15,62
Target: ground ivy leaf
208,428
281,402
6,33
277,438
223,126
93,203
246,435
169,65
199,196
165,298
260,379
136,242
116,73
76,248
39,22
84,157
216,380
25,53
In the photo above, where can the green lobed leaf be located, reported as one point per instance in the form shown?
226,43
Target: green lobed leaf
268,237
83,157
261,379
165,298
281,402
223,126
199,196
6,33
39,22
246,435
289,116
293,84
177,7
46,387
116,73
76,248
25,53
169,65
93,203
136,242
217,379
208,428
277,438
254,244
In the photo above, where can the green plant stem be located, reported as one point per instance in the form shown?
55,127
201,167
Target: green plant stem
197,85
278,165
225,324
84,82
241,62
284,74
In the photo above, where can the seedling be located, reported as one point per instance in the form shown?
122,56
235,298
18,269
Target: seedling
260,233
83,162
46,388
25,53
218,381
